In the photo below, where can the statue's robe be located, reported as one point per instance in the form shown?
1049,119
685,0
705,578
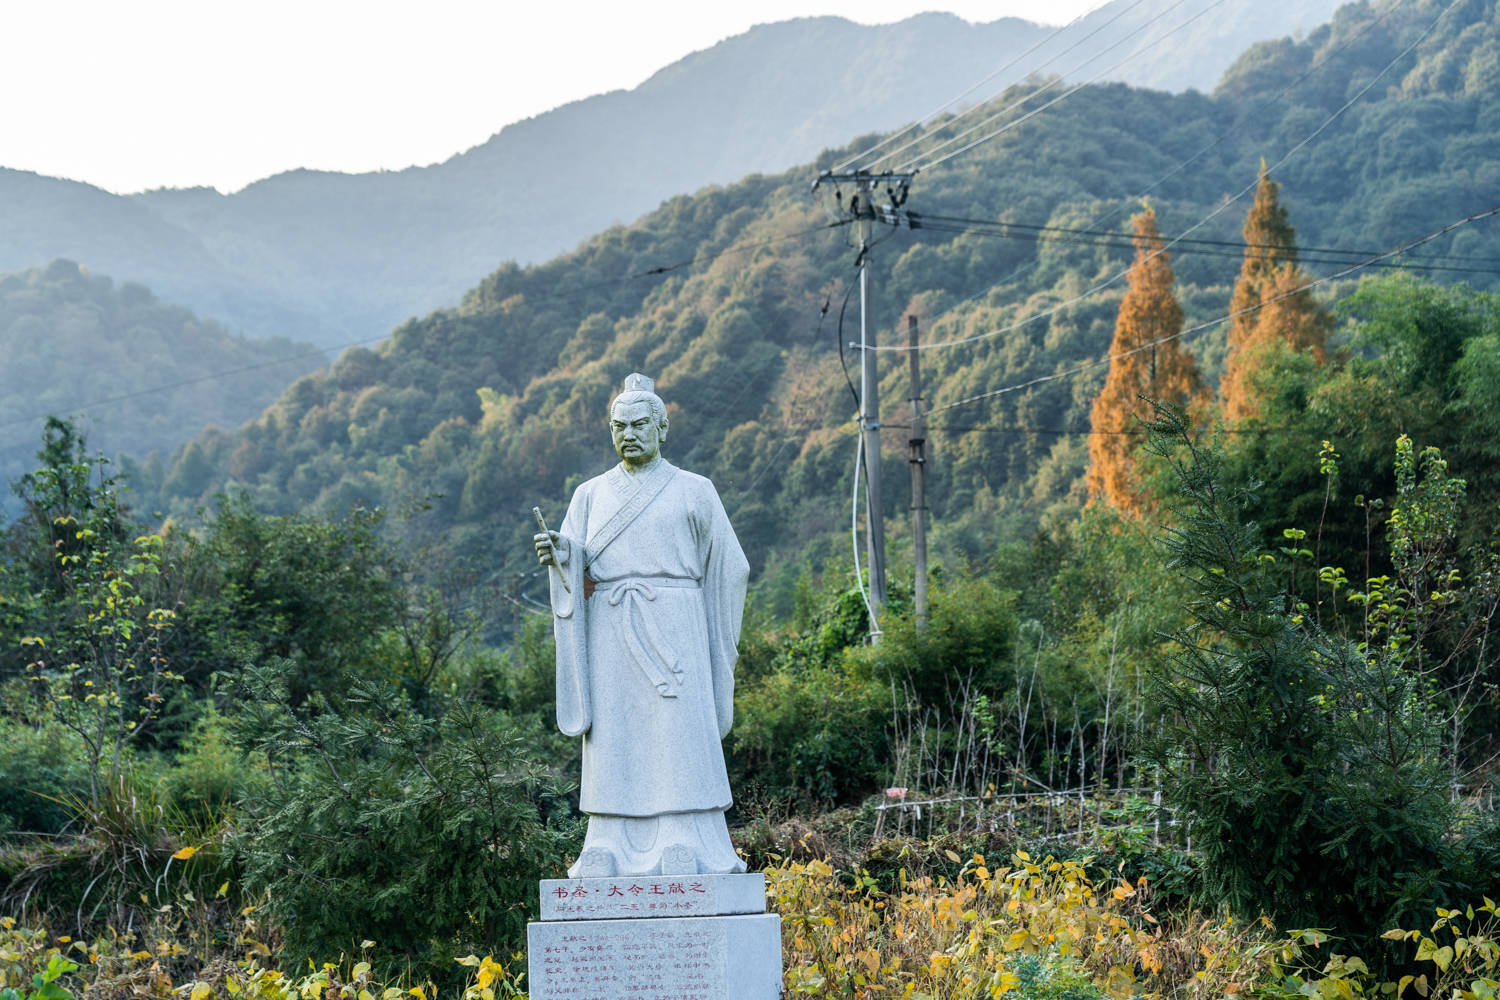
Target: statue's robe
646,661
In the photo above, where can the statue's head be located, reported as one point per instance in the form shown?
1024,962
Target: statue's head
638,421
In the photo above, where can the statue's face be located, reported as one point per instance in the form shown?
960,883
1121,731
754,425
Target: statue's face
636,434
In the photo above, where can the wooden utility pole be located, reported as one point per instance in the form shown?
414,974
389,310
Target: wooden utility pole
918,458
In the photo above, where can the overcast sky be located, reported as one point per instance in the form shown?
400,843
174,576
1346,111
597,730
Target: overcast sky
138,94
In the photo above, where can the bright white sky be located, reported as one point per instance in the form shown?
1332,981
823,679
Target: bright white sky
138,94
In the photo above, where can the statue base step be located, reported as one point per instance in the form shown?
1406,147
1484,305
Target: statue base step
698,937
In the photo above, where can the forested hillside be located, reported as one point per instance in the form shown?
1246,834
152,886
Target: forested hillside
71,337
733,299
335,258
1203,702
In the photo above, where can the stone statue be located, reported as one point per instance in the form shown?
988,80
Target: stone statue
647,599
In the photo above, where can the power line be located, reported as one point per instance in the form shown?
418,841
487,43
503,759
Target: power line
1081,431
1290,249
323,352
916,165
1401,248
966,93
1055,82
1320,61
1223,206
1208,248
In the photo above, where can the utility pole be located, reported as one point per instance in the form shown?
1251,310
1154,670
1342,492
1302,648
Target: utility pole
869,410
862,208
918,458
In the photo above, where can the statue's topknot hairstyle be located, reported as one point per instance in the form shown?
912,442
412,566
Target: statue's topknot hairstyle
639,388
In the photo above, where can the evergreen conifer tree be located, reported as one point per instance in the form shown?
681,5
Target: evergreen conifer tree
1143,362
1270,304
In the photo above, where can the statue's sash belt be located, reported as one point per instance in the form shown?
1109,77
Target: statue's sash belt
653,656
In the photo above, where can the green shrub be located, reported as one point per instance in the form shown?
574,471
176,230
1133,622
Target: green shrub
1309,765
811,725
424,835
41,766
967,644
211,774
812,737
1052,976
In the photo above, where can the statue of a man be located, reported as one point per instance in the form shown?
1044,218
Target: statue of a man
647,602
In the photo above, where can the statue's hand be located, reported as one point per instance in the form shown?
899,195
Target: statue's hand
552,549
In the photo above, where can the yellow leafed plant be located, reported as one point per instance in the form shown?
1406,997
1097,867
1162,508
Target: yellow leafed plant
992,932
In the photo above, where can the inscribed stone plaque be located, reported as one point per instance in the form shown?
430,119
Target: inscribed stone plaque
653,896
683,958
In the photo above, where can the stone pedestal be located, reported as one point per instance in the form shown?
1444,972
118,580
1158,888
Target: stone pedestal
671,937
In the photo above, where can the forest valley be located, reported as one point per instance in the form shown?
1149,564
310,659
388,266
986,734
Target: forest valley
1255,672
1206,704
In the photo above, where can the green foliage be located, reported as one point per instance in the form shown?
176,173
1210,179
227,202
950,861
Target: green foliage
209,775
1415,370
1457,957
425,835
71,338
1310,764
968,643
810,724
42,766
495,405
1052,976
815,707
315,592
813,737
282,619
92,625
46,983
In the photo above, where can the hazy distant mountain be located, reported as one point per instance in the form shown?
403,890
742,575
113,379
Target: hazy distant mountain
134,373
333,258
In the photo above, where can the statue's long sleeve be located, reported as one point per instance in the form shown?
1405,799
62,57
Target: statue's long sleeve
570,624
725,573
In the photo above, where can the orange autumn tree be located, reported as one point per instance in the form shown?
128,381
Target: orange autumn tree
1145,360
1270,305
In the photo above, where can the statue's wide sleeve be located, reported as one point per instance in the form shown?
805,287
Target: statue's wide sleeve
570,624
725,573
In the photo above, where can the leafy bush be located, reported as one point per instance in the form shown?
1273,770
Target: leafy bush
968,643
1309,765
210,774
810,722
41,766
1033,929
1052,976
812,737
425,835
1457,957
320,593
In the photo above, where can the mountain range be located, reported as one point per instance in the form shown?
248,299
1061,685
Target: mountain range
1382,128
337,258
